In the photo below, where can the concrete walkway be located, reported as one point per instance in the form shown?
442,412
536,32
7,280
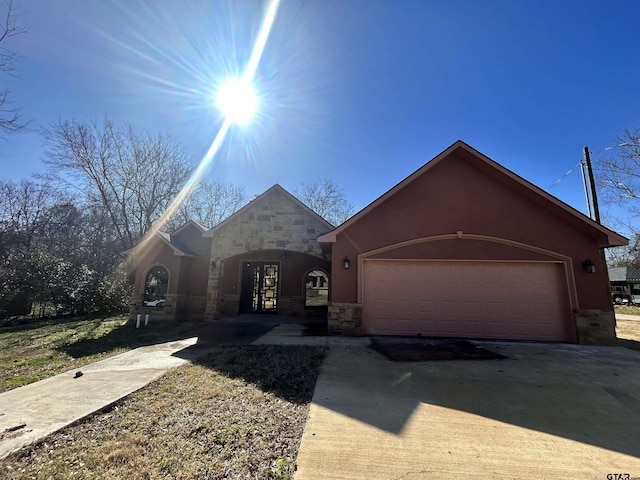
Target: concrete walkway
625,316
32,412
548,411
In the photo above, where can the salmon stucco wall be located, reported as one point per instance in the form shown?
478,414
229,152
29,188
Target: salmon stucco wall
188,274
467,196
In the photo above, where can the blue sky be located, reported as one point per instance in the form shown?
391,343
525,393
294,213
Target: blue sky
360,91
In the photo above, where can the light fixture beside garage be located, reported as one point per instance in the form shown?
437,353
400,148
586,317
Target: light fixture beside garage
589,266
346,262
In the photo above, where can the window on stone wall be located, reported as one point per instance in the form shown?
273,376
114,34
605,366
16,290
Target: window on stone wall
316,289
155,287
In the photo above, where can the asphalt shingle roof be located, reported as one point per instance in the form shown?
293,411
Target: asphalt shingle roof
624,274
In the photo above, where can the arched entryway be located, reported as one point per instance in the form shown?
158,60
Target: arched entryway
271,282
316,295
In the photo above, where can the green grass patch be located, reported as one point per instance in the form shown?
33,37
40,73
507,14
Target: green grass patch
239,413
31,350
19,380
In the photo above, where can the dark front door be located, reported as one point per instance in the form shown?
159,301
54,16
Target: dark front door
259,292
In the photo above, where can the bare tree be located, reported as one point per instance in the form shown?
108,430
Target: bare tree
326,199
133,176
24,212
9,27
210,204
620,175
618,179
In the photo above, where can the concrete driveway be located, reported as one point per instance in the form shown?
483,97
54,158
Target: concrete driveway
548,411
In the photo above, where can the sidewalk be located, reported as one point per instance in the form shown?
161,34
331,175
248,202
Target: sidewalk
30,413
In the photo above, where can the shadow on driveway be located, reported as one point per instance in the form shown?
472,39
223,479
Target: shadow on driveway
586,394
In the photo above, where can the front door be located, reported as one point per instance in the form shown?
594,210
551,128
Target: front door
259,292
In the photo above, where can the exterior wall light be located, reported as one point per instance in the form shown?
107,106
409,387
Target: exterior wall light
589,266
346,262
213,264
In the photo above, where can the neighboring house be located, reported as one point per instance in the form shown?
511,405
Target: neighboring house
463,247
625,285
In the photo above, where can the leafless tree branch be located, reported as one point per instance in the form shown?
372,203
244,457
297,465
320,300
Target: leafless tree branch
9,27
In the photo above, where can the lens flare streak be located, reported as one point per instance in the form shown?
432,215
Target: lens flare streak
206,162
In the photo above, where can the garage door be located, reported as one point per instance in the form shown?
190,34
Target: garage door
520,301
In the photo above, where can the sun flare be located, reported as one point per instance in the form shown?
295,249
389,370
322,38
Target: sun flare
237,101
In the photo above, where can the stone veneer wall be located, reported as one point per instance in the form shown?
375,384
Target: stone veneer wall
292,305
196,305
274,221
596,327
345,319
229,304
165,312
177,307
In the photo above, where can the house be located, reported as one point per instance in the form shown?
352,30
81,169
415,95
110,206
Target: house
265,258
462,247
625,284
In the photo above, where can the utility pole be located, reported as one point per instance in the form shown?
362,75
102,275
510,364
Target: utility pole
585,185
592,183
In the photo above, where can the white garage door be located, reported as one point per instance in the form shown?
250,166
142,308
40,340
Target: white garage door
524,301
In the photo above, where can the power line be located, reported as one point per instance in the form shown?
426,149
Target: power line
625,144
563,176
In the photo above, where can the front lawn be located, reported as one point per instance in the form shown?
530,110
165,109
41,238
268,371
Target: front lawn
31,350
239,413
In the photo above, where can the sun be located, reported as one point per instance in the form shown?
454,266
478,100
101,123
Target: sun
237,101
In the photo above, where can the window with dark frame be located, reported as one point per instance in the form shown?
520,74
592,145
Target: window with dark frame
155,287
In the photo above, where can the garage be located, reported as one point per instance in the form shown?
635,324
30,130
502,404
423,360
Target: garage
474,299
463,247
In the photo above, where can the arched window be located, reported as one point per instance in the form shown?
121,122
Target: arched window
155,287
316,289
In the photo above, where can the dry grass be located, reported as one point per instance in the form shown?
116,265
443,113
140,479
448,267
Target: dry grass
238,414
627,309
628,329
31,350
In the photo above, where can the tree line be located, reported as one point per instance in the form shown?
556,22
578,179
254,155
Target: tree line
62,234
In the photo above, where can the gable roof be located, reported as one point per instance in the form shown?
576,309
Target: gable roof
178,248
612,238
262,198
624,274
190,223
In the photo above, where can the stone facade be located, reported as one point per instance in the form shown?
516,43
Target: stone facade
291,305
596,327
168,310
176,307
273,221
345,319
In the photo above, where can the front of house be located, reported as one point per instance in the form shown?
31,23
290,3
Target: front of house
461,248
264,259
